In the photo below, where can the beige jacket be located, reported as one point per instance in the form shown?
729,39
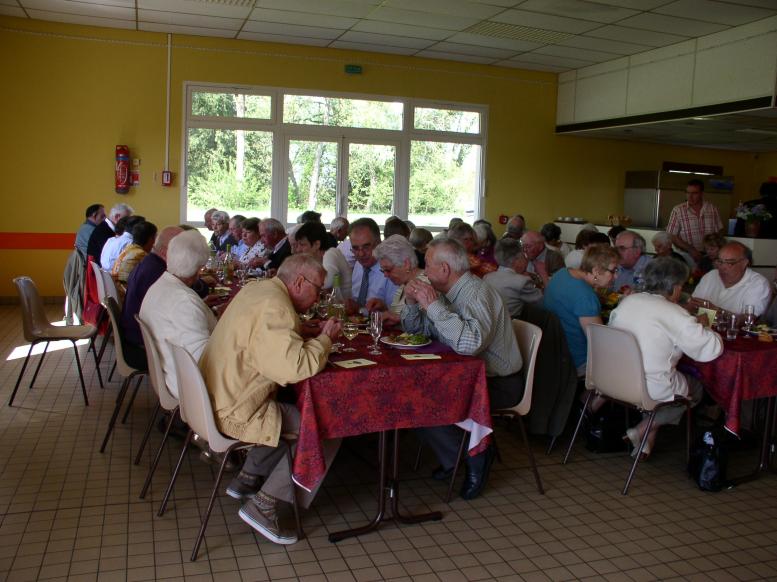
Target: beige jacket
256,347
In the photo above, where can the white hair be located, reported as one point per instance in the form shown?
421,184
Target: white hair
661,237
219,216
186,253
122,208
450,251
395,249
338,223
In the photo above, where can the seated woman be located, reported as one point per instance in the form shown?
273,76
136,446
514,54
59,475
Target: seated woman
570,295
585,238
399,264
486,241
254,248
662,244
465,234
143,239
713,242
665,331
312,238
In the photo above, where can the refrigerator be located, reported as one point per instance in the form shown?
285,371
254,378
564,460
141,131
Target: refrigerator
649,196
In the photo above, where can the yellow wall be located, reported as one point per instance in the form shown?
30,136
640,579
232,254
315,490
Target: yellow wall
71,93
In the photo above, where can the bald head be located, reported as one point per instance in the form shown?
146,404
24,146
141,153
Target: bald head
163,240
533,243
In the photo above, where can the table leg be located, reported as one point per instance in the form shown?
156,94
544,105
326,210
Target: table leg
394,492
766,446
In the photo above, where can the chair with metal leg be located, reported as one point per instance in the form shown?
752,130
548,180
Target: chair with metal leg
127,371
37,328
197,412
615,371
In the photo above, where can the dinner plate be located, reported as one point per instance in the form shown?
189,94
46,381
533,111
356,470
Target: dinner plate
388,342
771,331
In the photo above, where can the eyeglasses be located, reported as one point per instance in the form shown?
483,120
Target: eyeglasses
612,271
316,287
728,261
388,269
623,248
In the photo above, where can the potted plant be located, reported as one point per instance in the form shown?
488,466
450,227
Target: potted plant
753,215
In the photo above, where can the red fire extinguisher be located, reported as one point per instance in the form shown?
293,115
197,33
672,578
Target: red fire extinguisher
122,169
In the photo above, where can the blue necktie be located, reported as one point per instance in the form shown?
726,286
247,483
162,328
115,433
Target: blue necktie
363,289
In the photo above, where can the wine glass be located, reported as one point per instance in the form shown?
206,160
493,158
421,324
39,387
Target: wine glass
749,317
376,328
323,306
350,331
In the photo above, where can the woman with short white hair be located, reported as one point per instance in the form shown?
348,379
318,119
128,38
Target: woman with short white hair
399,264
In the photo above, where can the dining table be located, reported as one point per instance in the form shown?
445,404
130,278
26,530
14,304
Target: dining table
402,388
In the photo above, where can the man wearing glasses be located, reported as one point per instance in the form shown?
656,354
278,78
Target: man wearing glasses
691,220
632,261
732,285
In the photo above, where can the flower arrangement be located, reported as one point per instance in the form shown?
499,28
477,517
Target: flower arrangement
755,212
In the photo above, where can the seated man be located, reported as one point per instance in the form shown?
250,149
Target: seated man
370,290
105,230
516,226
732,285
510,280
470,317
542,261
236,230
172,310
95,214
465,235
273,236
114,245
632,261
256,348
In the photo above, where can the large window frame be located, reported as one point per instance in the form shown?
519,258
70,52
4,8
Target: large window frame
284,132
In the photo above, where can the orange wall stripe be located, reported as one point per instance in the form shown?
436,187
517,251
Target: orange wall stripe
37,240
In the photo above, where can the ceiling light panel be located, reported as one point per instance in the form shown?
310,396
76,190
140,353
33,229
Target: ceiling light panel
545,21
513,32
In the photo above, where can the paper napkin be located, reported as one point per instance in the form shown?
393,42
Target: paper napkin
711,313
421,357
357,363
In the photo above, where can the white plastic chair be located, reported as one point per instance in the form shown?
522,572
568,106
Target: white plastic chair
197,412
166,401
615,371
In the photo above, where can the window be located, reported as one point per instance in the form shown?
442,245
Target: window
261,151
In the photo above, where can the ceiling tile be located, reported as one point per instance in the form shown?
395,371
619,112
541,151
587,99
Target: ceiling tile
760,3
646,37
399,41
531,66
722,13
602,44
635,4
671,24
579,9
567,62
401,29
503,43
292,30
372,48
545,21
303,18
192,7
12,11
468,49
454,7
79,19
180,29
333,7
430,54
283,39
501,3
575,53
67,7
418,18
190,19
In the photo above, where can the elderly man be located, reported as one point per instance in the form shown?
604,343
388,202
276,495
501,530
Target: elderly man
510,280
236,232
256,348
221,238
632,261
95,214
691,220
207,218
542,261
171,309
732,284
471,318
105,230
114,246
516,226
273,237
339,232
370,290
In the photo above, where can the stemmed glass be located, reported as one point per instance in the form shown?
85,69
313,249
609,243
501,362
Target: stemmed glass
376,328
749,317
350,331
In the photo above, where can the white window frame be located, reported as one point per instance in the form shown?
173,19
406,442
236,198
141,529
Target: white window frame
283,132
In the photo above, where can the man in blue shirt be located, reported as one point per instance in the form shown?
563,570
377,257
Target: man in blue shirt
632,262
370,290
95,214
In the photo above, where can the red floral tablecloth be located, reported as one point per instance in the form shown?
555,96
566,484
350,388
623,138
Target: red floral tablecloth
746,370
393,393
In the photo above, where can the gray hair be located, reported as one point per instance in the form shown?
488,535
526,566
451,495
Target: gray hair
506,251
513,228
300,264
273,225
661,237
186,253
395,249
483,232
219,216
638,242
121,208
663,274
450,251
338,222
419,237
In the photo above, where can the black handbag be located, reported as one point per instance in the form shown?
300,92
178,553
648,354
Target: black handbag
707,465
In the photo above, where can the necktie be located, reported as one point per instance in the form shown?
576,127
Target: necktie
363,289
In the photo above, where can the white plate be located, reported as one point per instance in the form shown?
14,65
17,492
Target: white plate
771,331
388,342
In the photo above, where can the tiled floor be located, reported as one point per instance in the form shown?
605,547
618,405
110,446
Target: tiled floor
68,512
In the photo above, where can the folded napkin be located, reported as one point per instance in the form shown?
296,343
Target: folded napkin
222,288
357,363
421,357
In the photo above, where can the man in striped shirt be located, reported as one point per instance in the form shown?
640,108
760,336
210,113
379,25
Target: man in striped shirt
470,317
690,221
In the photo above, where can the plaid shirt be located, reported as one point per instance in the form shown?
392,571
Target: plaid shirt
692,227
470,318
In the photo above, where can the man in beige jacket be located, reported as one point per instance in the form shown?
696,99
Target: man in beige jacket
255,348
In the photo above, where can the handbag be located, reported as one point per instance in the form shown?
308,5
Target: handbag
707,464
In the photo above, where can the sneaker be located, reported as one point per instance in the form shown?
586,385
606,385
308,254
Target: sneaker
243,486
261,513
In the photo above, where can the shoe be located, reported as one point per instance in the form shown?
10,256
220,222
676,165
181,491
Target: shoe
243,486
442,474
632,436
475,481
261,513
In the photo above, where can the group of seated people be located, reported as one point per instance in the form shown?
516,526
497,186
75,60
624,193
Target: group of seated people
461,288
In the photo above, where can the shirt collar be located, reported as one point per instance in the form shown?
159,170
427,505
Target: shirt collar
278,245
458,286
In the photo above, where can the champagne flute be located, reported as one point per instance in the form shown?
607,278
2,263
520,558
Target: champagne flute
350,331
376,328
749,317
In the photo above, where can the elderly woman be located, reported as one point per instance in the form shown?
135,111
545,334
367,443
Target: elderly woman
254,253
570,295
485,239
221,238
398,263
662,244
312,238
665,331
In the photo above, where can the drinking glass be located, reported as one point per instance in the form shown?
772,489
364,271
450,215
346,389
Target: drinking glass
731,332
350,331
241,277
323,305
376,328
749,317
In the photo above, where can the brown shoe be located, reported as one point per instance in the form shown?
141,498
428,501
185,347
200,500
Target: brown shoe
261,513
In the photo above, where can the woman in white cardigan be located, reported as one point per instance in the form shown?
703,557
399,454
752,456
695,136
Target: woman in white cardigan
665,331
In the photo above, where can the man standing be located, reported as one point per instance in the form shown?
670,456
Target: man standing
542,260
691,220
471,318
510,280
632,261
105,230
369,288
256,348
732,285
95,214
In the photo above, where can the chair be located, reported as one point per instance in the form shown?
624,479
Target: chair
103,292
38,328
110,291
615,371
167,401
197,412
127,371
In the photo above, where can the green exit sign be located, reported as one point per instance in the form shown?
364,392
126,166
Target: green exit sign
353,69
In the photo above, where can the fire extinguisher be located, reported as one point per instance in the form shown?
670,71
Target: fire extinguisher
122,169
